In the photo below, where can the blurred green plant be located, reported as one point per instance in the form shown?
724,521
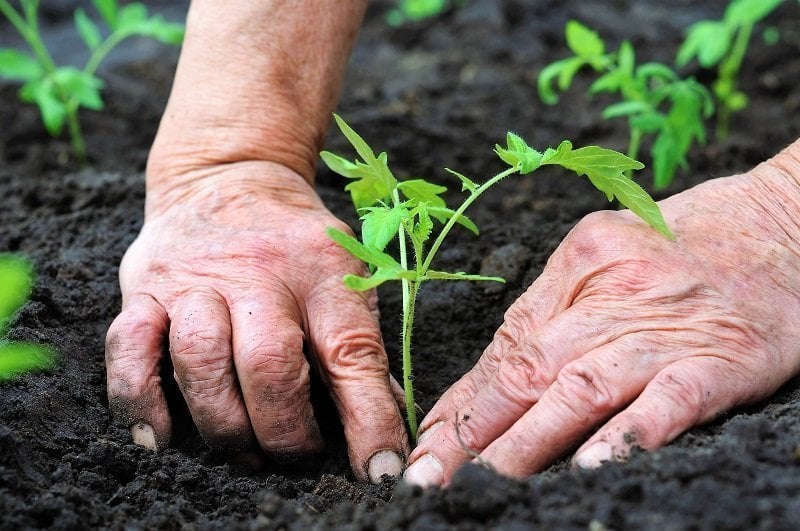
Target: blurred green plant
18,357
654,99
723,44
59,91
413,10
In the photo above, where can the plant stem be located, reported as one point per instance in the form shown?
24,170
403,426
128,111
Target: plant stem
452,221
633,147
30,33
103,50
729,71
408,382
75,132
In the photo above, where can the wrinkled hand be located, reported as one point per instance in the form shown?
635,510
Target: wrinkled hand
238,276
632,338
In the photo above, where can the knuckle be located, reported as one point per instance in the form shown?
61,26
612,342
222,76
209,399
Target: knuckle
523,376
357,349
583,388
684,393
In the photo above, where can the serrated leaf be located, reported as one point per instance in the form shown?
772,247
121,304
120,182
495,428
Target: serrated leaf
423,225
357,283
443,214
380,225
109,10
80,86
442,275
606,169
18,66
467,184
421,191
87,30
583,41
42,93
366,254
518,154
707,40
18,358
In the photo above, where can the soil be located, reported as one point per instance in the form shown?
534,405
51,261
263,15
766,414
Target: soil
433,94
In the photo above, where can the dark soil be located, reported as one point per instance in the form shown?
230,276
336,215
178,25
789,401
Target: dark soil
435,94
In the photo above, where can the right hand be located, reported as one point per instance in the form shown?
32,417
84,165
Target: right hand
236,273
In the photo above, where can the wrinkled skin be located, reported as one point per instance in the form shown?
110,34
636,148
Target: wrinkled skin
235,273
630,339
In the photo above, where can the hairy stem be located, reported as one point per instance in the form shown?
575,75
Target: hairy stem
408,381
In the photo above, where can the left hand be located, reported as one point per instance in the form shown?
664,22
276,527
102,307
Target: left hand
632,338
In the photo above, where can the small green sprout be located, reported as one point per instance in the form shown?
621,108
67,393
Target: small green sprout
406,210
413,10
17,357
654,99
59,91
723,44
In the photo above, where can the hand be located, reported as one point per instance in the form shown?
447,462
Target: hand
632,338
236,272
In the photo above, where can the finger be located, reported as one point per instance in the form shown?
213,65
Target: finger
134,347
274,375
520,379
345,336
685,394
200,345
546,297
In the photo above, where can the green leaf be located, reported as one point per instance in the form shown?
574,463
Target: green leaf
442,275
518,154
380,225
17,358
443,214
421,191
87,30
374,181
109,10
42,92
707,40
626,108
606,169
545,80
466,183
366,254
583,41
156,28
131,16
649,122
80,86
16,279
381,275
423,225
19,66
568,71
747,12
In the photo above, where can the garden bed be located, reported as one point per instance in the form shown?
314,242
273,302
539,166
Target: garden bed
434,94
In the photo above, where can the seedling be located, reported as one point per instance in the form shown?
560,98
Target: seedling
413,10
654,99
406,210
60,91
17,357
723,44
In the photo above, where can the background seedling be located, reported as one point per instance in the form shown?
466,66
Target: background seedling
723,44
60,91
654,99
406,210
17,357
412,10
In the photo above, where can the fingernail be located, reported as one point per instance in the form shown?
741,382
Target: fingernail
425,472
143,435
425,435
594,455
384,463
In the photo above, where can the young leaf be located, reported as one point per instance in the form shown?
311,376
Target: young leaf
16,278
80,86
366,254
18,358
381,275
421,191
707,40
441,275
626,108
159,29
582,41
746,12
380,225
87,30
518,154
18,66
109,10
606,169
466,183
42,93
131,16
423,225
443,214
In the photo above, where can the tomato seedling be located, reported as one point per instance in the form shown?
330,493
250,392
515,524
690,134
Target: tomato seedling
723,44
60,91
654,99
413,10
406,210
17,357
